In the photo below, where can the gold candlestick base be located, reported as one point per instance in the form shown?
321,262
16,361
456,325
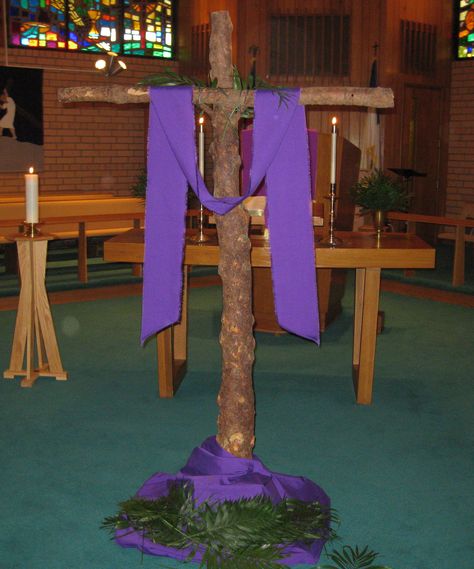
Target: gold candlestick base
331,240
199,238
31,229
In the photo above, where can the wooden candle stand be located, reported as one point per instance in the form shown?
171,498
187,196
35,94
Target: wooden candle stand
34,329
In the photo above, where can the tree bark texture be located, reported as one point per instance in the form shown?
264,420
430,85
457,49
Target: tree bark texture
236,422
378,97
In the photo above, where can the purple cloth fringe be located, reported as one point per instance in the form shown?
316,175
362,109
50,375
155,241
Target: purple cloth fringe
218,475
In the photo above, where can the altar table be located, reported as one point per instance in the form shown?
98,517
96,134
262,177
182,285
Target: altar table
359,251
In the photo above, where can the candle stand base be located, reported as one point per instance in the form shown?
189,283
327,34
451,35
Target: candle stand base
199,238
330,241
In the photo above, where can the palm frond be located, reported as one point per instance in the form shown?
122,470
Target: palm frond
248,533
169,78
353,558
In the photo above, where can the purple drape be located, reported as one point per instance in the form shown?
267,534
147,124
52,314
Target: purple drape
281,155
218,475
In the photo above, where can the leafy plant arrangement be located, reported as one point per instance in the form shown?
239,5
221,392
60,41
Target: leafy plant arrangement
249,533
381,192
243,534
139,187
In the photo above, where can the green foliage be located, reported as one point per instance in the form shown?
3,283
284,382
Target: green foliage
239,83
378,191
169,78
139,187
353,558
244,534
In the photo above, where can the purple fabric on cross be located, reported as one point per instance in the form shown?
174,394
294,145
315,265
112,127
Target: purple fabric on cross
246,136
281,154
218,475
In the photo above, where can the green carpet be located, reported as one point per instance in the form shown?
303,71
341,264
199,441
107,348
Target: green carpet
399,472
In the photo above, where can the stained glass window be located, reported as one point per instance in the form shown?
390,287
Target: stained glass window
465,29
138,28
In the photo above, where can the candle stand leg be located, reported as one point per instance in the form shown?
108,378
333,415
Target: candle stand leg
34,337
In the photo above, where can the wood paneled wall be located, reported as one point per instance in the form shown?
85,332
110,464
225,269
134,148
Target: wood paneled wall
403,84
372,22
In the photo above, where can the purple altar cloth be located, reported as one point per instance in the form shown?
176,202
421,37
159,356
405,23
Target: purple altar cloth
218,475
280,155
246,150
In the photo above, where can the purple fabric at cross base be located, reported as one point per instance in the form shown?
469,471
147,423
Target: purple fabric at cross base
218,475
281,154
246,136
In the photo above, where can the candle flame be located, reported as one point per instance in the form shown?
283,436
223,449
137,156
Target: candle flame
334,120
201,120
31,170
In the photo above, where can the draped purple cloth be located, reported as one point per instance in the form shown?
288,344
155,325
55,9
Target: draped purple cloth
218,475
281,155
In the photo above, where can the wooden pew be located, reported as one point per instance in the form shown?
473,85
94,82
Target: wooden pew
459,235
74,217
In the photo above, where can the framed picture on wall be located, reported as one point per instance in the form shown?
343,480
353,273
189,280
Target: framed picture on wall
21,119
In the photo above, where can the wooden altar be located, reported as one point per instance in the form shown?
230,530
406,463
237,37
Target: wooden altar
359,251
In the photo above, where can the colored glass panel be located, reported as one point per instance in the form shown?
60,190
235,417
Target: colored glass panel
145,23
141,27
30,20
93,24
465,32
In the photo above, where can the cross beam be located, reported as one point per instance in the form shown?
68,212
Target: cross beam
378,97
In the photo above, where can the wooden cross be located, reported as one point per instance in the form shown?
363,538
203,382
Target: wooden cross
236,424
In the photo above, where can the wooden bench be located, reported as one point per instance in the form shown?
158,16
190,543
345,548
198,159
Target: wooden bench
74,217
459,235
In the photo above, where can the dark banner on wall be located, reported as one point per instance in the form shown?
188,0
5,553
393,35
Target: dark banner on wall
21,119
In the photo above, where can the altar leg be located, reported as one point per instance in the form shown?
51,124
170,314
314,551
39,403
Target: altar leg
172,350
365,332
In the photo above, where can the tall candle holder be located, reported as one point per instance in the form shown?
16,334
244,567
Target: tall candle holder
331,240
35,351
200,237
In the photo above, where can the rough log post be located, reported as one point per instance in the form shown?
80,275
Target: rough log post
236,432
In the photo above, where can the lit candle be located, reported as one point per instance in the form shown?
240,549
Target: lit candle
31,193
201,146
333,150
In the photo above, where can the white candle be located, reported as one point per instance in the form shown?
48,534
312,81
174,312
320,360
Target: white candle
332,179
31,194
201,146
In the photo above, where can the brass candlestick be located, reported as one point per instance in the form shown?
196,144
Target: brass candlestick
200,237
331,240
